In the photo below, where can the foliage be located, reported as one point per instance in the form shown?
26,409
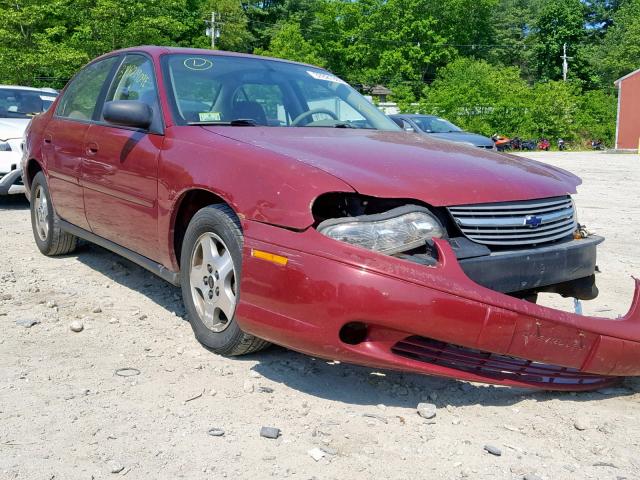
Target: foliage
488,100
620,52
288,42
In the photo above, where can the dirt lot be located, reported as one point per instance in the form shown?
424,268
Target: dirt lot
65,414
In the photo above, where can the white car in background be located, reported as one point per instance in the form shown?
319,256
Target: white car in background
17,106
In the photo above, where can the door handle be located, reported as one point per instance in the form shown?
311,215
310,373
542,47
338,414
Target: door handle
92,148
48,138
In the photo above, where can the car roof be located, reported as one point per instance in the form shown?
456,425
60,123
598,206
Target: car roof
156,51
32,89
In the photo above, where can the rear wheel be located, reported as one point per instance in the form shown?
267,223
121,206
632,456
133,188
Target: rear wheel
49,237
210,261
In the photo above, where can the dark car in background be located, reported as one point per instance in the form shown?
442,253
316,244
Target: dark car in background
440,128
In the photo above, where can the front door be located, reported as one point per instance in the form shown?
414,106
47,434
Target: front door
64,140
120,168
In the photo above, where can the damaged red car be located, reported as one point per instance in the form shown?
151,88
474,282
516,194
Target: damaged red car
290,210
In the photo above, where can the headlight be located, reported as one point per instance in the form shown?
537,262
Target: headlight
397,230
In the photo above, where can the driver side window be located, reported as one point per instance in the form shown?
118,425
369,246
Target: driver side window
135,81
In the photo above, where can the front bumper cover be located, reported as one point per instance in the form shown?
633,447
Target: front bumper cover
477,333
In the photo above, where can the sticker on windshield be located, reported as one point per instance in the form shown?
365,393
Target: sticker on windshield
196,63
209,116
46,98
327,77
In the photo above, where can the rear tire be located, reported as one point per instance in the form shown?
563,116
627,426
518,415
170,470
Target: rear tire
210,263
49,237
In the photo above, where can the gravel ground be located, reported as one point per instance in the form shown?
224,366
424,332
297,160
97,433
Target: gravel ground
66,414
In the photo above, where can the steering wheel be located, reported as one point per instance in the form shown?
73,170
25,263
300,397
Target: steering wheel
296,121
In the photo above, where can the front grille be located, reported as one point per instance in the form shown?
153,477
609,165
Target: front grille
497,367
523,223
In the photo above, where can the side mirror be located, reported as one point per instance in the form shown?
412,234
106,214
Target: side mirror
409,128
128,113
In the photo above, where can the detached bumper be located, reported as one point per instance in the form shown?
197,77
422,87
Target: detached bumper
11,183
432,320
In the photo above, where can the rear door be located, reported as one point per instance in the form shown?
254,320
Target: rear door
64,145
120,169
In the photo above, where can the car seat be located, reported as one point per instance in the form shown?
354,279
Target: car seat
249,110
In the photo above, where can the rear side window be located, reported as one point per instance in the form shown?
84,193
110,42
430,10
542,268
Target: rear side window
81,96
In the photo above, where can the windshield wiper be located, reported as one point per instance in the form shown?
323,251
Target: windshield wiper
239,122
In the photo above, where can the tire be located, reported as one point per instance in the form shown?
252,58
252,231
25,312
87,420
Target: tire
49,237
210,281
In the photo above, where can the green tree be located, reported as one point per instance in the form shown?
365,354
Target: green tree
620,52
288,42
555,24
233,26
552,111
479,97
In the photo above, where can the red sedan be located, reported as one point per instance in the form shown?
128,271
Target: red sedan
290,210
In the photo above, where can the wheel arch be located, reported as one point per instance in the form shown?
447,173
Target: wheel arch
185,208
32,168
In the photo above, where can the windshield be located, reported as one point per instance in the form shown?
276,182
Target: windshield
18,103
435,125
237,91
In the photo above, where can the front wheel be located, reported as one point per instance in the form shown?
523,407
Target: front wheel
210,267
49,237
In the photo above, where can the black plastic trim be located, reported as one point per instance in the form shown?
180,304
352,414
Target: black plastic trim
154,267
534,268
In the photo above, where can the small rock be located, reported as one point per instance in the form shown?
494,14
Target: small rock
493,450
142,317
265,389
316,454
51,304
115,467
213,393
248,387
377,417
605,428
254,374
531,476
27,322
97,310
427,410
580,426
216,432
6,296
269,432
76,326
113,321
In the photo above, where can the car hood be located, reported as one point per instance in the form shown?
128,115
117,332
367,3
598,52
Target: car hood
464,137
408,165
13,127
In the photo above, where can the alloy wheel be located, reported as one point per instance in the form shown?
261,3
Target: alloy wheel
212,277
41,207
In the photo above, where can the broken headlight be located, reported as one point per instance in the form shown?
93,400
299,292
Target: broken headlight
398,230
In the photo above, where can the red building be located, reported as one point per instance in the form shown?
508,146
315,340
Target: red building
628,124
